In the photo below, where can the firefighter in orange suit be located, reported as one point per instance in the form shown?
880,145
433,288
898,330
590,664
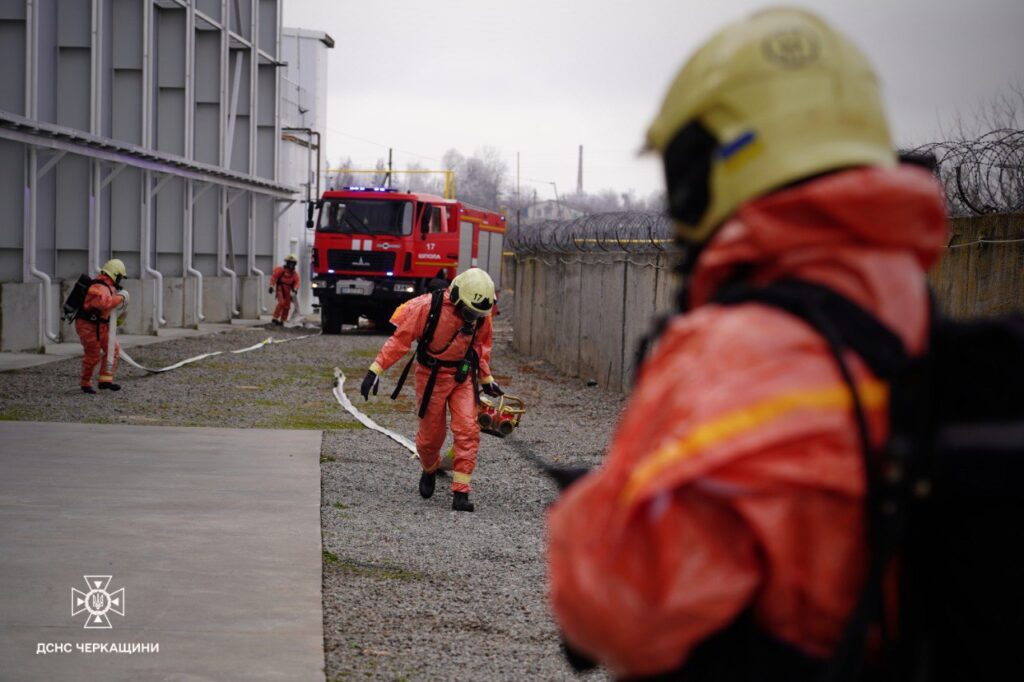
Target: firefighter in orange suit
449,364
93,325
731,499
285,281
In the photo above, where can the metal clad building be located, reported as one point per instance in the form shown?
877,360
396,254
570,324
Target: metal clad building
145,130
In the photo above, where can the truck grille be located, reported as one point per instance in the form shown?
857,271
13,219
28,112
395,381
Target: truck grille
360,261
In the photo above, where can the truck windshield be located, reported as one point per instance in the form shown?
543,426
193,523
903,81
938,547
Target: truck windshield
366,216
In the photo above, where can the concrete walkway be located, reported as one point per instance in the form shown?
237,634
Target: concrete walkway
214,534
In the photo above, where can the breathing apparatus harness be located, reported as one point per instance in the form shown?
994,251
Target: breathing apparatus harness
466,367
74,306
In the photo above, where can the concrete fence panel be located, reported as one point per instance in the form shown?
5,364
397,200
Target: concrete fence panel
586,311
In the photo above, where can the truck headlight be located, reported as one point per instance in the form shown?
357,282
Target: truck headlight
405,288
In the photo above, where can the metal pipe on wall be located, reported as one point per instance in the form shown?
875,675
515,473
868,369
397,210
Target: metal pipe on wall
186,251
31,169
260,306
146,248
31,181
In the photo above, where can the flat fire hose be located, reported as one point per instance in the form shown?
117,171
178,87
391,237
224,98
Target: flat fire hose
339,393
187,361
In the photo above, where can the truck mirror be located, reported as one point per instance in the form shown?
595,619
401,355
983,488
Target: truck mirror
309,214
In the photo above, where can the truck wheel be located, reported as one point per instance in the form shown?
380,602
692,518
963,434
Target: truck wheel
330,317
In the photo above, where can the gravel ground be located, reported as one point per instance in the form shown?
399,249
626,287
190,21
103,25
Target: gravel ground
411,589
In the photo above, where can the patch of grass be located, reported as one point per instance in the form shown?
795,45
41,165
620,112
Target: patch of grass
364,353
266,402
327,458
315,422
340,505
12,414
375,571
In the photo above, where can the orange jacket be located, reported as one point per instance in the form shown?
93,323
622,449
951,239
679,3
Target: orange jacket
287,278
734,478
100,299
410,320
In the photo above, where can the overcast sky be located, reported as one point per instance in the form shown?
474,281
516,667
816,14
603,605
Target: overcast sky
544,76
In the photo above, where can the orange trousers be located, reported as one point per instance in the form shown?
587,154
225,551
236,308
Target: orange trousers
284,304
460,400
94,338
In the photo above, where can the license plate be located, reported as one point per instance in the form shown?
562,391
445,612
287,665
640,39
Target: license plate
354,287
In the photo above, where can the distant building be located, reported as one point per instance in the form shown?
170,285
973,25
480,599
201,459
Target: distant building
303,109
550,210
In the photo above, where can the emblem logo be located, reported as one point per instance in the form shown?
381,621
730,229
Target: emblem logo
361,263
97,601
792,48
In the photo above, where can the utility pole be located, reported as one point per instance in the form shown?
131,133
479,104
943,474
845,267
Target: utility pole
579,174
387,178
519,201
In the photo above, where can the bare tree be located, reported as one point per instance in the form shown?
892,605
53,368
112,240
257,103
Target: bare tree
479,179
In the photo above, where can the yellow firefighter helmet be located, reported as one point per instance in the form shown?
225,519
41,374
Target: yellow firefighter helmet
769,100
473,291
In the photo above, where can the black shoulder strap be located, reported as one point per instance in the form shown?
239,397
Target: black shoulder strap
436,301
846,326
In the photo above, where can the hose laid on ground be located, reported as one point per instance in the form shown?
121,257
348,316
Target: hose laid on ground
339,393
187,361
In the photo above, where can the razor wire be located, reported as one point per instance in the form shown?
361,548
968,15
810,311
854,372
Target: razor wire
983,175
629,232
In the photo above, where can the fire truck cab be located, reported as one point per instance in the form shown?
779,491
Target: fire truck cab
375,248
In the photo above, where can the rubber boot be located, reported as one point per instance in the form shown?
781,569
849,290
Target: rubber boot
89,389
427,482
109,386
460,502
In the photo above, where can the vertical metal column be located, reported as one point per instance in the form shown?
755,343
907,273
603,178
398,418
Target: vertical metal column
32,174
187,241
146,224
253,156
95,167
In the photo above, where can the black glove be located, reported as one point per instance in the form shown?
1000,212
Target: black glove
371,380
270,290
493,389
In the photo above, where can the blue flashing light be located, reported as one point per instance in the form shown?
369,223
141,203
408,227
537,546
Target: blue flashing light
391,274
371,189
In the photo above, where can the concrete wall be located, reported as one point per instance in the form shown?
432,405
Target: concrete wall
22,304
586,316
982,271
586,313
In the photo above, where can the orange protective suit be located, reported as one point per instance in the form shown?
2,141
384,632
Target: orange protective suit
285,281
100,301
448,344
734,480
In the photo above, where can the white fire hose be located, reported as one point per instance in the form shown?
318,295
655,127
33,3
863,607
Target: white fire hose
343,400
112,343
265,342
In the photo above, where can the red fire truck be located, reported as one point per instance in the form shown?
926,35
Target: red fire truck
377,247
